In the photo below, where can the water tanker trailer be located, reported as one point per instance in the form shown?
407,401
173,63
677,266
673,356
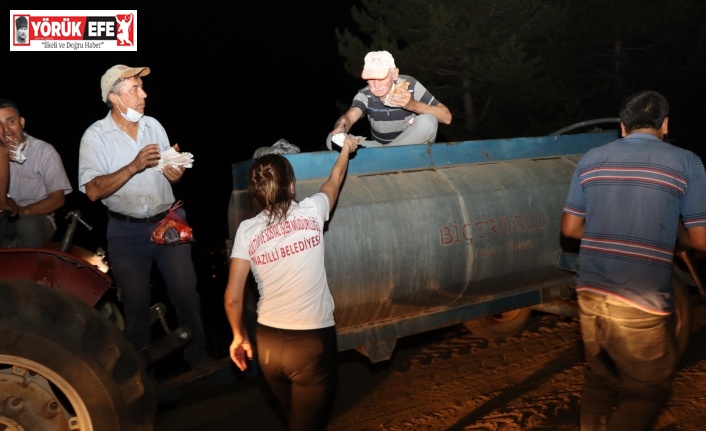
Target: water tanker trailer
428,236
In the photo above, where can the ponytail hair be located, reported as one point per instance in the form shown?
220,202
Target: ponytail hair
271,186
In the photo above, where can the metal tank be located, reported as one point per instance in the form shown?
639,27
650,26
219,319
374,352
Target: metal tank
427,236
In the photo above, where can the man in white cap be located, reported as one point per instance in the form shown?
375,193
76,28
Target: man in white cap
400,110
117,157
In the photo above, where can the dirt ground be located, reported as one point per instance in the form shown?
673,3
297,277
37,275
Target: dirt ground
451,380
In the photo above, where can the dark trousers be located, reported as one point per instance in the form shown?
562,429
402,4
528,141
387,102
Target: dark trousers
131,254
631,361
300,368
30,231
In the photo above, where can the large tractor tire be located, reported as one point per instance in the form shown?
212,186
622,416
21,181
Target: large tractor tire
513,322
500,325
63,366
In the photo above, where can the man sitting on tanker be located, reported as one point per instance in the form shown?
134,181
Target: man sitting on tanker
400,110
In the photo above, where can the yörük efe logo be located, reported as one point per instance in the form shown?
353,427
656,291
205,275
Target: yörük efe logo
73,30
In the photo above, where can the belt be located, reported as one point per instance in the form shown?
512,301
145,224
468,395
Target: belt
609,299
122,217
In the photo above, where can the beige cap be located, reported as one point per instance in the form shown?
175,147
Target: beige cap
116,72
377,65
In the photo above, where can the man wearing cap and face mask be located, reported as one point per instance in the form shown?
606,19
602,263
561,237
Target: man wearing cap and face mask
21,30
397,115
116,159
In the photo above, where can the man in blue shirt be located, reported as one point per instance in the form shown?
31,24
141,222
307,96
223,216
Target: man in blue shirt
118,157
630,202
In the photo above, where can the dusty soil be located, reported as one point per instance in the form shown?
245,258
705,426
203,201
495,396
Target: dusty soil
452,380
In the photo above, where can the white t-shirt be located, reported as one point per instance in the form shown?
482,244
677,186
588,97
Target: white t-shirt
287,260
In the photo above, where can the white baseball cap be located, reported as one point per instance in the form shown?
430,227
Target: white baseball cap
377,65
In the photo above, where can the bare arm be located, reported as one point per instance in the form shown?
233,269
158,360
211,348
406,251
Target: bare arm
48,205
440,111
403,98
332,186
105,185
233,300
347,120
4,178
694,237
572,226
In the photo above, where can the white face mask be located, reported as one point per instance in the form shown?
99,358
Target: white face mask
131,115
16,154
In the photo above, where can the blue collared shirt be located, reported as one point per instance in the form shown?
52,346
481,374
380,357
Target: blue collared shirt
106,149
631,193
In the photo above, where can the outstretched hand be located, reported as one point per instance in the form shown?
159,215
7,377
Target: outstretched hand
350,143
341,126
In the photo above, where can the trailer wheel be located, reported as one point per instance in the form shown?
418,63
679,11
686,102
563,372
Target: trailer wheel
683,315
500,325
63,366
